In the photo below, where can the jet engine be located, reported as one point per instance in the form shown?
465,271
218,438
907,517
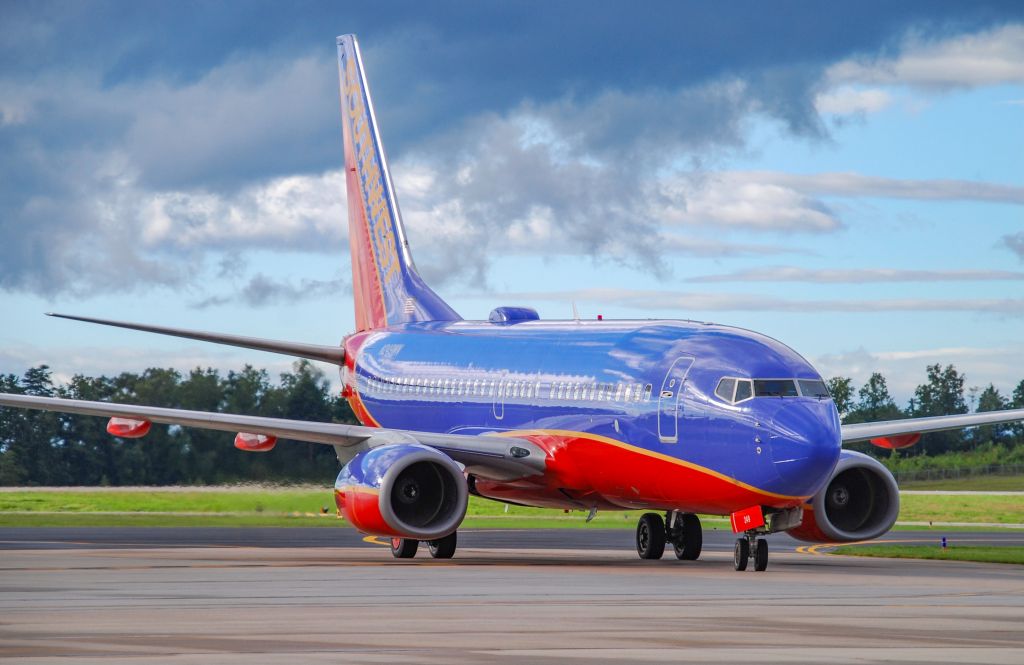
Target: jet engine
859,502
407,490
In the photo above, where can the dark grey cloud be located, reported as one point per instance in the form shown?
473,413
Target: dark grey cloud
135,138
1015,242
264,291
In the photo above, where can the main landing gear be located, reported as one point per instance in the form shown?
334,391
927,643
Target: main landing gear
683,532
442,548
747,544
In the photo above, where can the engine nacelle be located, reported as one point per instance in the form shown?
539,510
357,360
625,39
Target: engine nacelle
860,501
407,490
896,441
128,428
255,443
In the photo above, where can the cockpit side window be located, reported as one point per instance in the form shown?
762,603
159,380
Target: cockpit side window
744,390
725,389
810,388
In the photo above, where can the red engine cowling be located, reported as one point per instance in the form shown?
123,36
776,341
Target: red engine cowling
860,501
407,490
896,441
128,428
255,443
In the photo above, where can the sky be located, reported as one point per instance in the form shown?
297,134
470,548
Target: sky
848,179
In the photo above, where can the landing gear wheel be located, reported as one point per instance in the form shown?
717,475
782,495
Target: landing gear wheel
689,538
444,548
650,536
761,554
404,548
741,553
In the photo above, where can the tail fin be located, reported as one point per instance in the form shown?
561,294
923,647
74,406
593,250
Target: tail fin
387,288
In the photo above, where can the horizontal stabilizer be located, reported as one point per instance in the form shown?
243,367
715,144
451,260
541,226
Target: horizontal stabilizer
328,354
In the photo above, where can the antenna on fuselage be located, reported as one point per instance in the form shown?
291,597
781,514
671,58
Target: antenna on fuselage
575,312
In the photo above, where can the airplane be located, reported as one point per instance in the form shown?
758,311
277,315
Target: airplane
675,418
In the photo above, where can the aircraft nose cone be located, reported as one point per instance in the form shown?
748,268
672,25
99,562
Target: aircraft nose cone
806,440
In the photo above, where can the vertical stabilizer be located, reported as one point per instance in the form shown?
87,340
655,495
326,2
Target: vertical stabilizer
387,288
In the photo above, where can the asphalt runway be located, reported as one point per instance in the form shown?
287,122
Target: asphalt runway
574,596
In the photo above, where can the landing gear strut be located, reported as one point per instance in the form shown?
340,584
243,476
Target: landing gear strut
741,553
650,536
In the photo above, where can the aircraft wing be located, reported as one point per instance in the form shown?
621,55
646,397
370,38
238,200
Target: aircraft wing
491,457
886,428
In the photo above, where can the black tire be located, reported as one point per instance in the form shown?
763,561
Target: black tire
404,548
761,555
740,554
444,548
650,536
689,538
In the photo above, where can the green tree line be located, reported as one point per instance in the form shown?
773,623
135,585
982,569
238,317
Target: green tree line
941,394
49,448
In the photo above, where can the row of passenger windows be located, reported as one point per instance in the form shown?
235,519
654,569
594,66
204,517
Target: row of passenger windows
511,389
738,390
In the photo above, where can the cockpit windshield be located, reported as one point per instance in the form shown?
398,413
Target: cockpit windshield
734,390
775,388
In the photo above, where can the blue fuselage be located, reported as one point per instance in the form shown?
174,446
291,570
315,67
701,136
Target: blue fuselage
649,384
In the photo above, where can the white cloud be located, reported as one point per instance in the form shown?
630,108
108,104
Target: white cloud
858,275
302,211
992,57
846,100
675,301
905,370
733,200
860,185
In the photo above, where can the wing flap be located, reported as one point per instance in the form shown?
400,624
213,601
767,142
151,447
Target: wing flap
887,428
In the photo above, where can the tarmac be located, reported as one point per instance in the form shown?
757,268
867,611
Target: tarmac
544,596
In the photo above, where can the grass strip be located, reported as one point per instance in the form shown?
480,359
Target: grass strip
1013,555
988,483
296,506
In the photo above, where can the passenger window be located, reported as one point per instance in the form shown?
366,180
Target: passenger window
743,390
725,389
628,393
647,392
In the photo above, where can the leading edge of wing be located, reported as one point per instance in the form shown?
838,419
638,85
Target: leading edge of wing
867,431
329,354
489,456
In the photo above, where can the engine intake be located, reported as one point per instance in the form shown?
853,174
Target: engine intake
407,490
860,501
